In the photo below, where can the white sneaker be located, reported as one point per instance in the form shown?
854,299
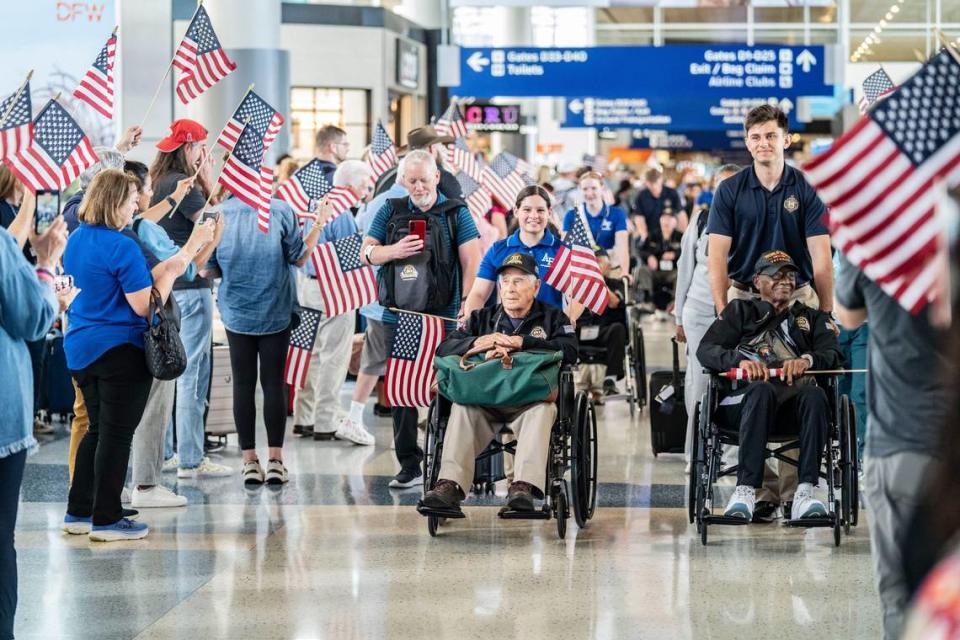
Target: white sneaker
354,432
741,503
125,496
277,473
157,496
172,464
805,505
206,468
252,473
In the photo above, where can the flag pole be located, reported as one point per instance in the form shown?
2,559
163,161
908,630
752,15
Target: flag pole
16,98
156,94
245,121
226,156
949,46
424,315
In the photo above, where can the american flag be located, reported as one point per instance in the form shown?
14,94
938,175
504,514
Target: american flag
460,157
244,174
201,58
300,350
877,85
451,123
16,131
345,282
304,186
410,374
383,153
60,151
503,179
879,179
96,87
475,194
258,115
575,271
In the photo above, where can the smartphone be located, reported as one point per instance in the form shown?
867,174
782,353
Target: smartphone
62,282
48,208
210,215
418,228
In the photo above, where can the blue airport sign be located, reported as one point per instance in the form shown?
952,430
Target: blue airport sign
689,140
673,114
673,71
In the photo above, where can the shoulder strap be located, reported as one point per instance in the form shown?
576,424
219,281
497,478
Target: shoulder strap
702,218
136,225
399,205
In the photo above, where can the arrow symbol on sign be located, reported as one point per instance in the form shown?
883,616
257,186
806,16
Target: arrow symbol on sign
786,105
575,106
806,60
477,62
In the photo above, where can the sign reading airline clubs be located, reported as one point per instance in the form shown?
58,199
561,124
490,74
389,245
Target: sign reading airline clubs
492,117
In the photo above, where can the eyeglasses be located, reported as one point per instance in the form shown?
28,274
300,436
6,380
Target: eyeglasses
790,276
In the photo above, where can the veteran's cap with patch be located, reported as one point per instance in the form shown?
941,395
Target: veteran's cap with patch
522,261
771,262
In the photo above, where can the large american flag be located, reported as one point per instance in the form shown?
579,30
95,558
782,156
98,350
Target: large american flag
877,85
475,194
878,180
16,130
575,271
451,123
460,157
503,179
345,282
383,153
201,58
59,152
96,86
244,175
410,374
300,350
258,115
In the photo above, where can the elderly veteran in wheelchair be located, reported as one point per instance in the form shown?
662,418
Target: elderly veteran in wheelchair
756,336
519,323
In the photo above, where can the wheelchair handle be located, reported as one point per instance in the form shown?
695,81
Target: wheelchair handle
741,374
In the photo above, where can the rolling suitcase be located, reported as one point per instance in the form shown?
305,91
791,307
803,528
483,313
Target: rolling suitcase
220,409
56,387
668,414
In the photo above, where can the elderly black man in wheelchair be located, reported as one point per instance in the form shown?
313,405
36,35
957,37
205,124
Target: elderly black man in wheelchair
769,333
519,323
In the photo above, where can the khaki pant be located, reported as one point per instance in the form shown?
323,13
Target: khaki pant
78,428
779,484
471,429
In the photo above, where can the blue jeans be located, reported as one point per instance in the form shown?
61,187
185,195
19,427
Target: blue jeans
853,344
196,331
11,475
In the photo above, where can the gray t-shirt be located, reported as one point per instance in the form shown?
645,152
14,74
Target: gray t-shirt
906,389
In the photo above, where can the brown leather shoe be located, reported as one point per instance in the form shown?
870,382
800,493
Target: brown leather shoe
445,495
520,496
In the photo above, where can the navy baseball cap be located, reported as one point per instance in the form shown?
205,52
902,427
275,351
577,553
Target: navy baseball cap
522,261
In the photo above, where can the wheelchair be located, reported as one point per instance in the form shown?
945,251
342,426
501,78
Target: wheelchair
573,449
839,466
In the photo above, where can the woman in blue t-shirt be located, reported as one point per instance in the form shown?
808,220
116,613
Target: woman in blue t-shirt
104,349
607,224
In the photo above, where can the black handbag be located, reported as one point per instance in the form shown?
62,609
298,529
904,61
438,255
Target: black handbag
166,357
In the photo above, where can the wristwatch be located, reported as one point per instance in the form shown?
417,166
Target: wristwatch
368,252
808,358
171,202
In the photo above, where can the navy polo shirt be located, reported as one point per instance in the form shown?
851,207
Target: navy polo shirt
650,207
758,220
604,226
543,252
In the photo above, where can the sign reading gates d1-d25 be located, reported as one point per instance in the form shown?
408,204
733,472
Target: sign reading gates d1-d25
680,71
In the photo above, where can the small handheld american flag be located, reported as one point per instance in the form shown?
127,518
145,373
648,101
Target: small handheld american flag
383,153
304,186
244,175
877,85
300,350
258,115
504,179
16,128
460,157
59,152
451,123
575,271
410,374
345,282
96,86
201,58
475,195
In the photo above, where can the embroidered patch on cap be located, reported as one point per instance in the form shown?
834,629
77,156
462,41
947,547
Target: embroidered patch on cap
776,256
514,259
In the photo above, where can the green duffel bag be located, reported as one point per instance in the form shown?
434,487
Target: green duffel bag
516,380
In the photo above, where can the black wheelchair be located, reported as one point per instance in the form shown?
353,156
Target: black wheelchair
839,467
573,449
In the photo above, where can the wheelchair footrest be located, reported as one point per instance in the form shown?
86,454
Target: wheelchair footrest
424,510
536,514
711,519
826,521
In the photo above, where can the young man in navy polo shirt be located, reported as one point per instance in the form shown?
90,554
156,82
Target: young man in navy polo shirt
768,205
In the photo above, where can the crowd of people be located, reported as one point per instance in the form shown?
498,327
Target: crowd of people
742,261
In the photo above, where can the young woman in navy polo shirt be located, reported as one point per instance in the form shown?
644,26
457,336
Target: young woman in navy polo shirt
607,224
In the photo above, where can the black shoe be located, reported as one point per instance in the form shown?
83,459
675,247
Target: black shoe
764,511
787,509
445,495
322,435
520,496
610,388
303,429
407,478
381,411
131,514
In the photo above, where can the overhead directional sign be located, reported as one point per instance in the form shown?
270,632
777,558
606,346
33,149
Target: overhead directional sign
681,71
667,113
688,140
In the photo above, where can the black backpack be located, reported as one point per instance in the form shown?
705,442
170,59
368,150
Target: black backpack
423,282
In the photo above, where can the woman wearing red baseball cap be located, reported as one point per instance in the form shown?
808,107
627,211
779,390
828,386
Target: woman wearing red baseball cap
181,154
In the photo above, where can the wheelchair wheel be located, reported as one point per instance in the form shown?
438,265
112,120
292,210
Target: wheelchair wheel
583,462
433,522
561,514
431,449
693,482
854,468
639,366
836,523
846,464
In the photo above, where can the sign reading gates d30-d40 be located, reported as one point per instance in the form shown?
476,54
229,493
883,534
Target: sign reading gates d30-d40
681,71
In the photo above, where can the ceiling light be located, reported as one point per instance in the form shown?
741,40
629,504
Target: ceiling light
894,9
877,29
883,23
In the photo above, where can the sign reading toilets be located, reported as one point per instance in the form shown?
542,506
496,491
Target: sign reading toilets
679,71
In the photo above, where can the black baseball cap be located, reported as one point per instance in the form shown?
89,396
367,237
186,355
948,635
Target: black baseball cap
522,261
770,262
